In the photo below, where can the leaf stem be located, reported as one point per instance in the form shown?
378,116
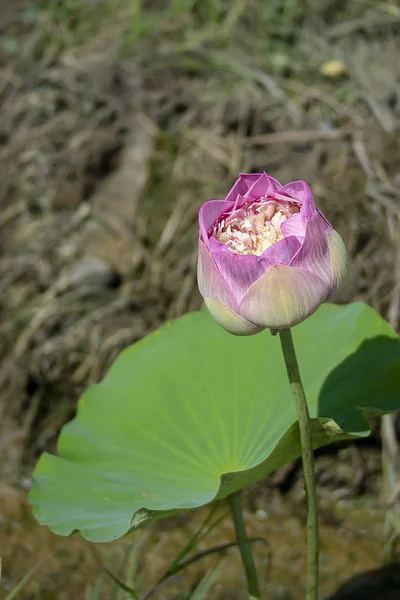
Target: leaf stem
296,385
244,547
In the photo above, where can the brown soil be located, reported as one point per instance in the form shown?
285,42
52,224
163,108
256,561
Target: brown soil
69,567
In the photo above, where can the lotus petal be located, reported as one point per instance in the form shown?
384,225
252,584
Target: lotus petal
314,254
300,192
210,281
283,297
295,225
339,259
239,271
209,213
229,319
241,185
263,186
283,251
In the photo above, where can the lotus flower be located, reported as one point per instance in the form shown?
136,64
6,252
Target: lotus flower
267,256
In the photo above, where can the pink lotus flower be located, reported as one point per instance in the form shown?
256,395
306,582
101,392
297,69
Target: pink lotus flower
267,255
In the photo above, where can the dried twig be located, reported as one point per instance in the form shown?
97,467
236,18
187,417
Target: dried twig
297,137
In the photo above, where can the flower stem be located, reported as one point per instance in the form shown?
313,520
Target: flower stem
244,547
296,385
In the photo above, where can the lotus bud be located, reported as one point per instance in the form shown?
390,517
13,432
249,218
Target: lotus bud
267,256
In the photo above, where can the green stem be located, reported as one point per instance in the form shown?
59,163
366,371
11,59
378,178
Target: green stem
244,547
308,461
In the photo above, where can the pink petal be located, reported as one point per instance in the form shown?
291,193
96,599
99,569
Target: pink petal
249,178
274,182
339,260
263,186
229,319
282,252
295,226
245,186
211,282
241,185
209,213
240,200
299,191
240,271
314,254
283,297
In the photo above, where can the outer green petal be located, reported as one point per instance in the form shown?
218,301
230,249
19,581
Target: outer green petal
283,297
339,260
228,319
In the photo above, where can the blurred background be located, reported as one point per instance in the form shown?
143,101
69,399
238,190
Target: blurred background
118,119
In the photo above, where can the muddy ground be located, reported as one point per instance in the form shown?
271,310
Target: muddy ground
117,123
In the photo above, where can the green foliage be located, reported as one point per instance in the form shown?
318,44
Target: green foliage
61,24
206,585
211,22
123,582
191,414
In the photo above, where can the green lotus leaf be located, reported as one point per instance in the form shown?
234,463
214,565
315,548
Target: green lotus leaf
191,413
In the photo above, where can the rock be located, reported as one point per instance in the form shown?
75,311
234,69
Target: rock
377,584
116,202
91,271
